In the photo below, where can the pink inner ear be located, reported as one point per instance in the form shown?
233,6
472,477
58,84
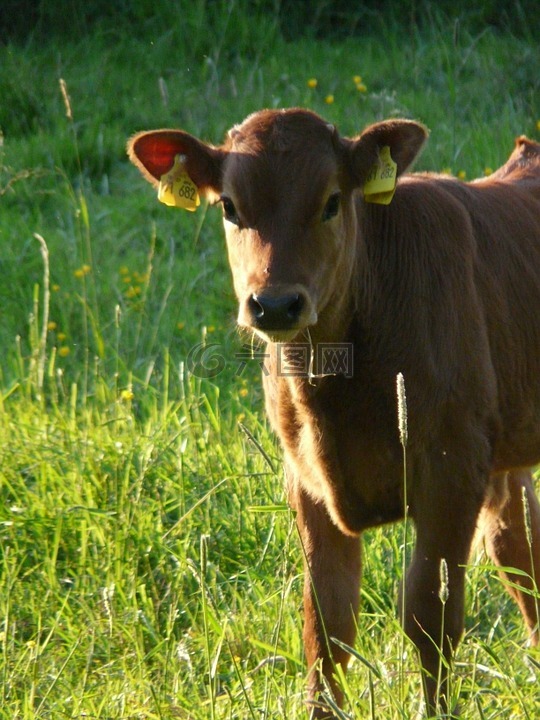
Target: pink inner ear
156,151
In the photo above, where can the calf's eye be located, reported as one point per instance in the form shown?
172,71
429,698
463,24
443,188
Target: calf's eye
331,208
229,211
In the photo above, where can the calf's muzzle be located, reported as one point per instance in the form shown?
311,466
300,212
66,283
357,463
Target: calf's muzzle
270,312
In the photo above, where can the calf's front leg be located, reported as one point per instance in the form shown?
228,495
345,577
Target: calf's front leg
445,514
331,595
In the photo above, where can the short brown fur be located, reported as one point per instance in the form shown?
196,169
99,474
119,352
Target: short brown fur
441,285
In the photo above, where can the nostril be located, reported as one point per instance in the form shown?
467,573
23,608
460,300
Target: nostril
255,307
295,307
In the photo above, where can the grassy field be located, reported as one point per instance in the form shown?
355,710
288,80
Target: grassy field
149,566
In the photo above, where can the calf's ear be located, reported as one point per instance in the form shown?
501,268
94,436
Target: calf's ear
405,138
154,152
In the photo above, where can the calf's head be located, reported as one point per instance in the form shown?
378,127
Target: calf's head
287,183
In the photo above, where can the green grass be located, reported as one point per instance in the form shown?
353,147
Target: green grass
149,565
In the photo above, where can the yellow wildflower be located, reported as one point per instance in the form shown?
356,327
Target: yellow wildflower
488,171
127,395
51,325
462,174
312,83
357,79
64,351
133,291
329,99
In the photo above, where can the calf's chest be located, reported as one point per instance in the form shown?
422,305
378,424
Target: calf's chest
341,447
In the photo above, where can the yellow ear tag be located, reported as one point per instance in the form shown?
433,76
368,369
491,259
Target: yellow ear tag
177,189
381,181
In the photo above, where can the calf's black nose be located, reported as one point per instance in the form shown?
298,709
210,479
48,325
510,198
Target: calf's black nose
275,313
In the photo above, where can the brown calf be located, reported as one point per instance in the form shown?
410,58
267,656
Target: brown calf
442,285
